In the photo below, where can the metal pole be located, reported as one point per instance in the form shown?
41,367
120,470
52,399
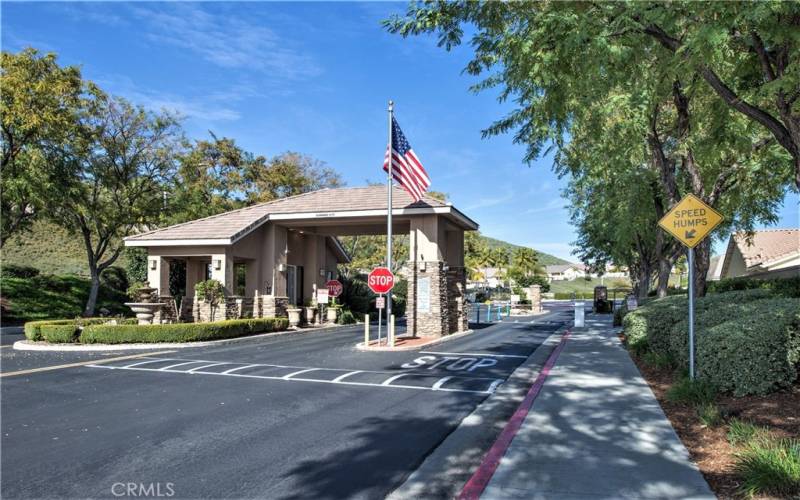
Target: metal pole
389,214
691,313
379,326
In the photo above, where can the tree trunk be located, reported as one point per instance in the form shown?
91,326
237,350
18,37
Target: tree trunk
88,312
643,281
702,259
664,269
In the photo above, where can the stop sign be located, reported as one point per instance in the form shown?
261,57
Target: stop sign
380,280
334,288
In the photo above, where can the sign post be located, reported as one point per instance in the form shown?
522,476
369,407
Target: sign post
690,221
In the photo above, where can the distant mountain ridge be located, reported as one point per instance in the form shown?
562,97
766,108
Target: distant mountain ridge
545,259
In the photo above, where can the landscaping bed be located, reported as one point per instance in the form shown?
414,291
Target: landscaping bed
110,331
709,446
740,419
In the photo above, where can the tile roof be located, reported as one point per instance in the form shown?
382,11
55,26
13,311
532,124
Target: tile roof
236,222
767,246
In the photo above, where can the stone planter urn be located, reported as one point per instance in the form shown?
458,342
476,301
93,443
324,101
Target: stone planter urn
333,314
294,315
311,314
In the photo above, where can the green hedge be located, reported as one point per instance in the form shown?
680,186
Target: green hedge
58,334
33,329
749,338
575,295
180,332
756,352
785,287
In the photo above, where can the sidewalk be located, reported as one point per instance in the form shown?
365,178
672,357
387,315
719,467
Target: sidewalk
596,431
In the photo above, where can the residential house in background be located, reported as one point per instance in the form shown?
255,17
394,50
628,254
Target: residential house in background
769,253
565,272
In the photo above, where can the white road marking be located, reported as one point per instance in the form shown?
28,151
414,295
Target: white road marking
389,380
287,377
170,367
475,354
494,385
238,368
342,377
193,370
146,362
292,377
439,383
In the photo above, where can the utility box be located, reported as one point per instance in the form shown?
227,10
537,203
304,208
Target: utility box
579,320
601,304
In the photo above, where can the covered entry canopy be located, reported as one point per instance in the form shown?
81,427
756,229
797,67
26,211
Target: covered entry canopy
288,247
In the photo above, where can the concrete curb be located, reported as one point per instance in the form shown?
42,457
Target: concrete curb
442,474
27,345
360,346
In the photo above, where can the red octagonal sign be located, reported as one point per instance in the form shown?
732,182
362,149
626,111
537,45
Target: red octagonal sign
380,280
334,288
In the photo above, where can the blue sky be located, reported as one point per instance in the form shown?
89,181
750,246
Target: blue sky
313,78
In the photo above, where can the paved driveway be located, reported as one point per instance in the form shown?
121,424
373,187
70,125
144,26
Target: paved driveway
294,416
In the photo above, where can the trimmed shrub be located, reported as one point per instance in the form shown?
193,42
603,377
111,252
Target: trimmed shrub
33,329
619,314
756,353
59,334
785,287
573,295
180,332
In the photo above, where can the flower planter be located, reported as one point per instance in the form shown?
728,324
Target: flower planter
311,315
333,314
294,316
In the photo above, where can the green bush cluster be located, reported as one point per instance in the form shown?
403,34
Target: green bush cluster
346,318
15,271
41,330
180,332
785,287
619,313
747,341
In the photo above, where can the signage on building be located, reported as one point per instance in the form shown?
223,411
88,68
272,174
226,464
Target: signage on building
690,220
334,288
322,295
380,280
424,295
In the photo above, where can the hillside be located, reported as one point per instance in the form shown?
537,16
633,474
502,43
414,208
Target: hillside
545,259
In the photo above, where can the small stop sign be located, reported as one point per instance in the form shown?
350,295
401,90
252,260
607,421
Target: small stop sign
334,288
380,280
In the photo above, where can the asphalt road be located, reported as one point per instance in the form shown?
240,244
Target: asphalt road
294,416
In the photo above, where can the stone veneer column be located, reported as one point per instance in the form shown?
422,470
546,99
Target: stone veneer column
534,293
273,306
436,321
456,299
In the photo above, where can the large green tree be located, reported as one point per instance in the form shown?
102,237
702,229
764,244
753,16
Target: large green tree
120,163
568,65
39,105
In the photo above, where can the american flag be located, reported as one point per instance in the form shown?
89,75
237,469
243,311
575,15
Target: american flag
406,167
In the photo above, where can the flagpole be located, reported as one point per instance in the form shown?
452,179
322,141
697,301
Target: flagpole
389,216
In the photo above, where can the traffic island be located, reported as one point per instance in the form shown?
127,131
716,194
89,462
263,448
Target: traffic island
408,342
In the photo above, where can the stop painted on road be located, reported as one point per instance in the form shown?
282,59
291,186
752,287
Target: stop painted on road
452,363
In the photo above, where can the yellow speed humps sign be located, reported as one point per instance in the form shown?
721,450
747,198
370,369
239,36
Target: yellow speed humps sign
690,220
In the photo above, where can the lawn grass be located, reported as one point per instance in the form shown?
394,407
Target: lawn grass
54,297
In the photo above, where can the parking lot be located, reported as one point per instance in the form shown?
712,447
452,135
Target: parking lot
300,415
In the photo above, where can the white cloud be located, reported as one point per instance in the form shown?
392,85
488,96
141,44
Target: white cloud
211,108
226,40
553,205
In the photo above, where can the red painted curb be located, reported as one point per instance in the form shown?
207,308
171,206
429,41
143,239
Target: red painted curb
480,479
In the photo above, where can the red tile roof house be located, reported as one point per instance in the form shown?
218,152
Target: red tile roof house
769,253
287,248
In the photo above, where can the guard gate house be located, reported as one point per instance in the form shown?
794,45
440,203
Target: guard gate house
286,249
